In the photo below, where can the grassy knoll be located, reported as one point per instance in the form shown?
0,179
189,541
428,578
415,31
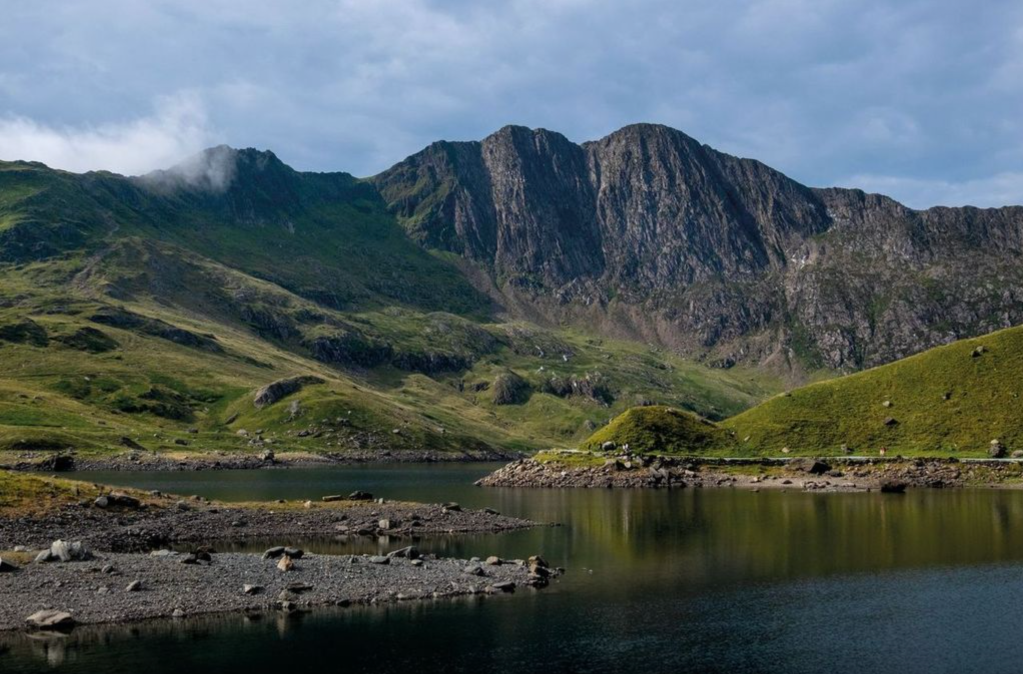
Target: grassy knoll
948,401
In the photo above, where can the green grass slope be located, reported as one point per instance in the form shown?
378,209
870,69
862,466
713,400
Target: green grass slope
659,429
151,312
952,399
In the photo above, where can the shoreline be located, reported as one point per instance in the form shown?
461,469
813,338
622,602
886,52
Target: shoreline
827,474
126,588
49,462
119,530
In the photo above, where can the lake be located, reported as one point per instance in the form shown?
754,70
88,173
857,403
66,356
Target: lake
657,581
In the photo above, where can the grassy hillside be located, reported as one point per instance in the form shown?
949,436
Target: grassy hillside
660,429
140,313
952,399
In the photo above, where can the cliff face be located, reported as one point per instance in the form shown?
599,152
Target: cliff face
647,233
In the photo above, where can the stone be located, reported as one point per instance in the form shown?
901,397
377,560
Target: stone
474,570
504,586
417,562
189,559
134,586
275,391
299,588
494,561
274,553
379,559
8,567
1017,454
996,450
607,446
107,568
68,551
268,456
891,421
252,589
451,507
887,403
294,553
893,487
332,498
386,524
410,552
50,619
360,496
491,511
178,613
286,564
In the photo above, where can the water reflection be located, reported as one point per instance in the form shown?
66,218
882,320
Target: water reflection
710,580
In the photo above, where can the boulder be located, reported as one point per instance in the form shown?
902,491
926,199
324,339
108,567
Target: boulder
7,567
379,559
65,551
294,553
268,456
893,487
494,561
274,553
332,498
282,388
504,586
360,496
286,564
252,589
996,450
50,619
410,552
134,586
451,507
131,444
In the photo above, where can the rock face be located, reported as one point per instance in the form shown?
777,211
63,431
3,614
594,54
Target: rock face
649,234
282,388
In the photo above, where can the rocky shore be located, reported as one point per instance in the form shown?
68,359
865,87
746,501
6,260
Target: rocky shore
35,461
114,587
827,474
162,520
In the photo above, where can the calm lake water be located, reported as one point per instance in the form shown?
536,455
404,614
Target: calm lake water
658,581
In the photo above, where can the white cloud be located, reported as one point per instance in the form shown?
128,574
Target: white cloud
1001,189
178,127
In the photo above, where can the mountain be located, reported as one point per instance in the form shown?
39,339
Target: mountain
185,310
493,296
649,235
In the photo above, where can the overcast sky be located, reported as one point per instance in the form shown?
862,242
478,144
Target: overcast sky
920,99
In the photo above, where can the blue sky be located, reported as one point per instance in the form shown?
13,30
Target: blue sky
920,99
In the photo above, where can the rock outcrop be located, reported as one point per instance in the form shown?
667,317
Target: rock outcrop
649,234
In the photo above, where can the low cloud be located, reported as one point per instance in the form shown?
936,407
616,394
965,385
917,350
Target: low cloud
177,128
1002,189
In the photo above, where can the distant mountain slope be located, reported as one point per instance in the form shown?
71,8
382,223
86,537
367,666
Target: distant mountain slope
149,311
647,234
954,398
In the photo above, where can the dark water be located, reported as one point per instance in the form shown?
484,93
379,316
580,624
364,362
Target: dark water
689,580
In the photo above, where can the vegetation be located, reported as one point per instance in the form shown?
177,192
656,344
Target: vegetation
134,315
950,400
954,400
659,429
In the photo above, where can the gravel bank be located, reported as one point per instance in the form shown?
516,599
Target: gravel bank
165,521
168,588
829,474
219,460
